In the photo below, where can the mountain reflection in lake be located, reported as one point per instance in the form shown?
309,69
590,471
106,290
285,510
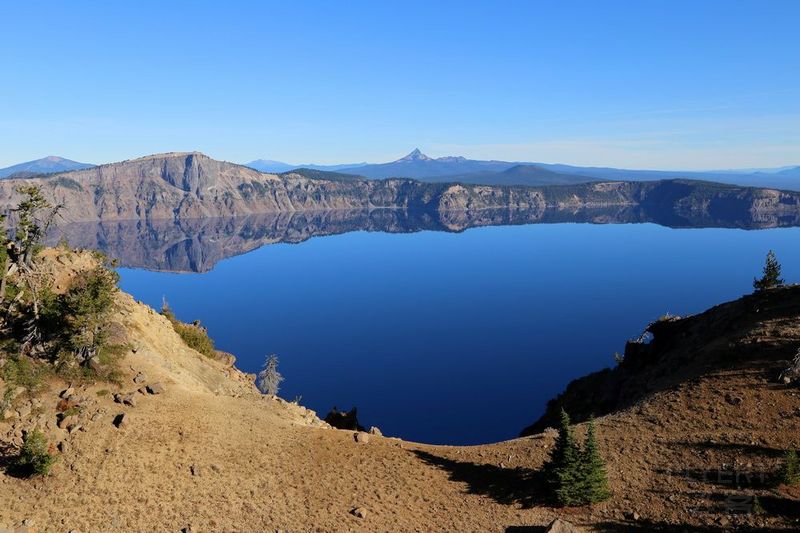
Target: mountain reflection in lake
196,245
436,336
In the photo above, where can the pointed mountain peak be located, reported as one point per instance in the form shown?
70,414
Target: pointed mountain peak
415,155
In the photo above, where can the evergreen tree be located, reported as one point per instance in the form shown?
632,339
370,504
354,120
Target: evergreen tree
772,274
563,469
594,482
790,474
269,379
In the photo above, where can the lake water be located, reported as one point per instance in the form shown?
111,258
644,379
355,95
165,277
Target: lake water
456,338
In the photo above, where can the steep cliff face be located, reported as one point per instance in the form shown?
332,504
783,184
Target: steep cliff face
178,186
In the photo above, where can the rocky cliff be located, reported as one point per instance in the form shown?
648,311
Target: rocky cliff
758,330
178,186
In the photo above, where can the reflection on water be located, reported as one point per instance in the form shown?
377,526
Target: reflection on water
196,245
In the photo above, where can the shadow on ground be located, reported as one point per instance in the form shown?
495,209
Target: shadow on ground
520,486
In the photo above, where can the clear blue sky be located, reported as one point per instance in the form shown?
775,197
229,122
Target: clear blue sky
637,83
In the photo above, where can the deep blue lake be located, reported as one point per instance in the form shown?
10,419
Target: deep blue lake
458,337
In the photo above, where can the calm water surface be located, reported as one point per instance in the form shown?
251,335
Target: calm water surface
458,337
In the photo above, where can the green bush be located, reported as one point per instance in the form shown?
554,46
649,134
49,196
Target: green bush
35,458
195,336
20,371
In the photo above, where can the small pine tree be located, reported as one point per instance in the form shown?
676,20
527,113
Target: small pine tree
772,274
35,458
757,509
790,473
593,469
269,379
563,469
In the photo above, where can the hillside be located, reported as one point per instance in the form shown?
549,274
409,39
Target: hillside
527,175
182,186
677,456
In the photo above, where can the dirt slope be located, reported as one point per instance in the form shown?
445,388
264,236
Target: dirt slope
211,454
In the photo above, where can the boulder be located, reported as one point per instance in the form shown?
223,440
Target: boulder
359,512
121,420
129,399
344,419
65,422
67,393
139,378
375,431
156,388
362,438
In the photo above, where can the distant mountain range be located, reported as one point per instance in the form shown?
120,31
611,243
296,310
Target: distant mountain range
45,165
459,169
277,167
417,165
190,185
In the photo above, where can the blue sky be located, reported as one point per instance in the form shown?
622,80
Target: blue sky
646,84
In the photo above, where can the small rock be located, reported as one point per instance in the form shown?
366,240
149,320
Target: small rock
156,388
723,521
562,526
129,399
733,400
631,515
360,512
95,364
66,393
65,422
121,420
195,470
139,378
375,431
363,438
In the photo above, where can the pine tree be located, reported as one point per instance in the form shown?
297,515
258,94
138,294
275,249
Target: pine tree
772,274
790,473
269,379
594,482
563,469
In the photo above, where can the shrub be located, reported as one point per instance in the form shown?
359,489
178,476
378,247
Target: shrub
194,335
772,274
35,458
790,473
20,371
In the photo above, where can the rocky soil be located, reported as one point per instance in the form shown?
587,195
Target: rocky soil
186,443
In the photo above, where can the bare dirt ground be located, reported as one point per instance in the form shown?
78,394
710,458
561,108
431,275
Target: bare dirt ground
212,454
